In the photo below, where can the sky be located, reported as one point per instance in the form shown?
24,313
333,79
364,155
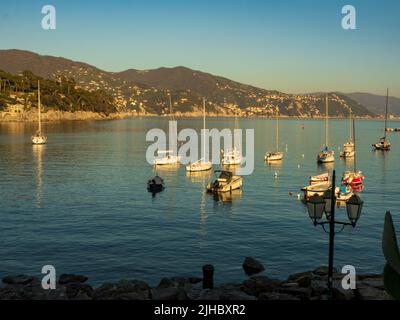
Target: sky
295,46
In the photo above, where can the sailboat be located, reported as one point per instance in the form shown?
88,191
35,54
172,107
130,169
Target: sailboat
277,155
326,155
348,147
354,178
166,157
202,164
384,144
39,138
232,156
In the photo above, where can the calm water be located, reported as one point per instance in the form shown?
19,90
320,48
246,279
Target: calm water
80,203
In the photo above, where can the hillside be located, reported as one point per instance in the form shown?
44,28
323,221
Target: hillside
147,91
376,103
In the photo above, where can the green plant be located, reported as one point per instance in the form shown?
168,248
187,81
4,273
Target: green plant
391,272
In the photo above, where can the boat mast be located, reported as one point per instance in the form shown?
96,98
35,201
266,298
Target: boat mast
326,121
277,130
354,148
39,107
170,106
386,113
351,128
204,128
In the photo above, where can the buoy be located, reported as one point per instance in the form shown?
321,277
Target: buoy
276,175
298,166
298,196
302,155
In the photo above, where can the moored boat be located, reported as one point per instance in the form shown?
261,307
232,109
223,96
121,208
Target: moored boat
276,155
39,137
384,144
155,184
226,182
326,155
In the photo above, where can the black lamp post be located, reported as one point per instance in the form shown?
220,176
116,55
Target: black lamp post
318,205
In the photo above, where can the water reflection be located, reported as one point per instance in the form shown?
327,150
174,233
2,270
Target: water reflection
228,196
38,154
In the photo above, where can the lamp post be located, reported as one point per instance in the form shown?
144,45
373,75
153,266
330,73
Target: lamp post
318,205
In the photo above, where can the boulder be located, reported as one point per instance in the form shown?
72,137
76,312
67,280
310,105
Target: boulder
167,294
276,296
257,284
323,271
71,278
20,279
124,289
251,266
74,290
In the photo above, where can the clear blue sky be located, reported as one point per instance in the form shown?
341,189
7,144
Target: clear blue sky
293,46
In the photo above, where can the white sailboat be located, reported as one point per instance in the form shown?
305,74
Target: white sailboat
201,164
384,144
39,137
277,155
349,147
167,157
232,156
326,155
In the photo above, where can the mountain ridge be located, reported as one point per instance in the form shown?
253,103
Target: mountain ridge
147,90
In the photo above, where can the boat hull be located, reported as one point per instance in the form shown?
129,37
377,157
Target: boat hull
217,187
199,166
39,140
273,156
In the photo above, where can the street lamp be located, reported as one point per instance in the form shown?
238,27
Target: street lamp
317,205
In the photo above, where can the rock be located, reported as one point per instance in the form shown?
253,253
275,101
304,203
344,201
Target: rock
74,290
303,278
167,294
276,296
71,278
298,292
210,294
364,292
318,287
125,289
258,284
372,282
236,295
195,280
323,271
175,282
252,266
20,279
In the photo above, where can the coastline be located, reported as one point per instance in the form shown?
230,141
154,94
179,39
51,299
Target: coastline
309,285
56,115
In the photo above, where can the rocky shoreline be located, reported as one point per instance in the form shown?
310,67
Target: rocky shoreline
309,285
56,115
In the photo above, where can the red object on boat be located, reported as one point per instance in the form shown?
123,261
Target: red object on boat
353,179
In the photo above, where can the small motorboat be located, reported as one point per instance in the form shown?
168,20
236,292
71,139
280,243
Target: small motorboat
273,156
319,178
315,189
343,193
226,182
155,184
